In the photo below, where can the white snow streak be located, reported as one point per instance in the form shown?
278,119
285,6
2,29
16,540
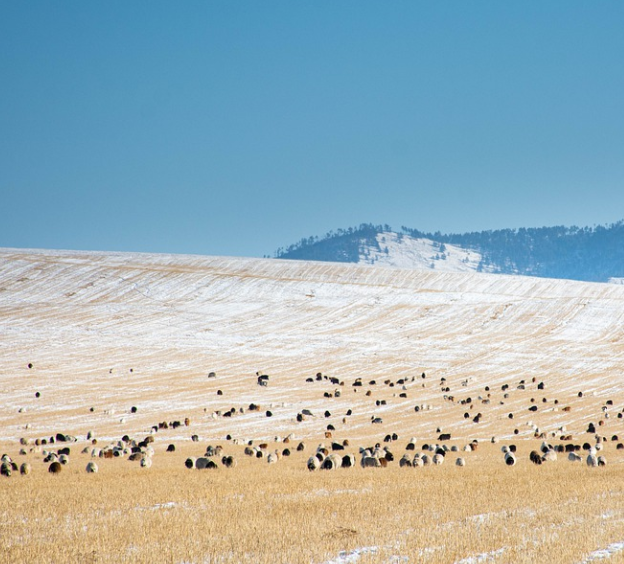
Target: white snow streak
604,553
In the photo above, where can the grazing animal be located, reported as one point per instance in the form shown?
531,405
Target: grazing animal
405,461
535,457
92,468
55,468
510,459
348,461
460,462
313,463
370,462
332,462
549,456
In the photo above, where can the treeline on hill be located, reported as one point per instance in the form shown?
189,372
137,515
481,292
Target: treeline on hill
342,245
587,253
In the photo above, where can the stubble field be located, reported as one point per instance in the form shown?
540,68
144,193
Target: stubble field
115,344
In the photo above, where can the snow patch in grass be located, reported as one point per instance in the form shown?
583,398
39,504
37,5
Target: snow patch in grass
603,553
483,557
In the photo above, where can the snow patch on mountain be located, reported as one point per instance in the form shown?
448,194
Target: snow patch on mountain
402,251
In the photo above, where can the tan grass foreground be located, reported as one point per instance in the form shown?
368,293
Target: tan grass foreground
104,333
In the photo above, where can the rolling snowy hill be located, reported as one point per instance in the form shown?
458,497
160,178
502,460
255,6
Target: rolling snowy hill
108,331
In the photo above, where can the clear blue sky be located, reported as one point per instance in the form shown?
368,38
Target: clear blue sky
234,128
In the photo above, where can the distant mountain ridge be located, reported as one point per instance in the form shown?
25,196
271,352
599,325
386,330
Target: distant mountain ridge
593,254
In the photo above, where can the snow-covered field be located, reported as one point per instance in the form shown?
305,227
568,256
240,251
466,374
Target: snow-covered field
108,331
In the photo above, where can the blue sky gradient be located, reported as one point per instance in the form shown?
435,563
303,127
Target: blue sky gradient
234,128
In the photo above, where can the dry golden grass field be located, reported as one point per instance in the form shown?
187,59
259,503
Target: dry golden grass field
111,346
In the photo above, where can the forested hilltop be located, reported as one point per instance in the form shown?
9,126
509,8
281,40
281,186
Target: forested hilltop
578,253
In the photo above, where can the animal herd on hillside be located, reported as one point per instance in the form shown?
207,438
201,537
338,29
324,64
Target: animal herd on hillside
331,453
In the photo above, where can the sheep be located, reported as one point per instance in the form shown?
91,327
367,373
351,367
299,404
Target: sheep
92,468
272,458
190,462
460,462
602,461
6,469
405,461
25,469
510,459
332,462
549,456
573,457
55,468
591,460
535,457
313,463
438,458
370,462
348,461
228,461
146,462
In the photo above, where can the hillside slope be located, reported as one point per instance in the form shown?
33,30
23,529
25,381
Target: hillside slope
593,254
110,331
